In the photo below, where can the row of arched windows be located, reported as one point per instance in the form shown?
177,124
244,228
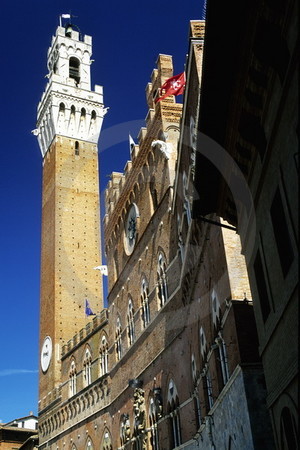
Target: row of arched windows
106,443
87,367
145,313
218,360
86,123
62,110
147,179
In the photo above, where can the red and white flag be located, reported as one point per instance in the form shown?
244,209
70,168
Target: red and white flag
173,86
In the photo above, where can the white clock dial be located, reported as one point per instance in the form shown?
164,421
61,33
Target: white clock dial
46,353
131,229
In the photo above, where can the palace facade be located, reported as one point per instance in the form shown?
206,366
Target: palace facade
174,361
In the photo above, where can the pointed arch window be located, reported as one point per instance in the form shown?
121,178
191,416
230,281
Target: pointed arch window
203,343
124,429
89,444
130,322
222,358
155,413
288,430
106,441
153,193
208,392
93,122
116,264
174,418
61,116
74,69
118,339
162,280
103,356
72,379
145,303
87,367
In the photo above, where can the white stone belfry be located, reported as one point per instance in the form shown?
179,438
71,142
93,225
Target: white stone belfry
68,106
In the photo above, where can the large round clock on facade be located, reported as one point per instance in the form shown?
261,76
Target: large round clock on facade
131,228
46,353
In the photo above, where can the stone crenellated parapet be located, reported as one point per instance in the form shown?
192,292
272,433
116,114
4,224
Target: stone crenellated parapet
50,398
162,124
113,191
68,106
98,321
197,29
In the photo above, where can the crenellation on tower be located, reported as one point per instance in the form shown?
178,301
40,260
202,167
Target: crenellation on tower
68,106
159,75
197,29
113,191
148,176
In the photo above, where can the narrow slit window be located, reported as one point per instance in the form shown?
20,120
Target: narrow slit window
77,148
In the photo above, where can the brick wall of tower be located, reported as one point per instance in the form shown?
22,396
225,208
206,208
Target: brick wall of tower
70,245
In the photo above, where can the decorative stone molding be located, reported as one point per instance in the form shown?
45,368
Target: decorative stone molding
166,148
77,408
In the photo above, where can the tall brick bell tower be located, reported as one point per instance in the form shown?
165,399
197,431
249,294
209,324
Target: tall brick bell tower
69,121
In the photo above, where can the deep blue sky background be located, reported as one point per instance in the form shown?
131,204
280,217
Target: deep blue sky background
127,38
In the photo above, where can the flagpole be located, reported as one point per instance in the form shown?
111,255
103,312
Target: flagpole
60,20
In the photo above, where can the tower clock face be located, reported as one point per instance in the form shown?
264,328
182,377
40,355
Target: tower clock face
46,353
131,229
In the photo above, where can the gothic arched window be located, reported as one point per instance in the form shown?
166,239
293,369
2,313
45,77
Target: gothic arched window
89,444
153,193
116,264
130,322
106,441
288,430
118,339
74,69
72,378
61,117
162,280
87,367
174,419
222,358
145,303
155,413
208,392
103,356
124,429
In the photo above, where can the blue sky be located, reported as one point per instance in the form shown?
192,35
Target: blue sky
127,38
